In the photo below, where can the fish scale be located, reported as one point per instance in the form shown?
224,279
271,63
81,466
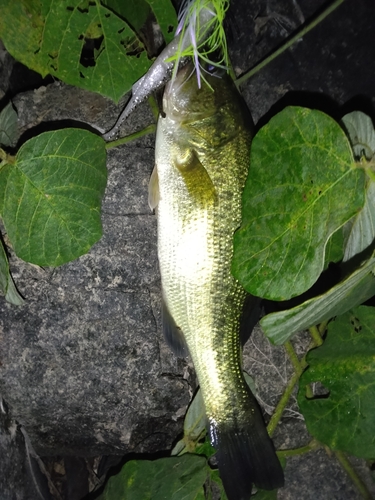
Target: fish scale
202,158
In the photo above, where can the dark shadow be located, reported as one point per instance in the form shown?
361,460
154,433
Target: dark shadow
121,461
321,102
312,100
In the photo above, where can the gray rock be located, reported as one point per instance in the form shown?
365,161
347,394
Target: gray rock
82,368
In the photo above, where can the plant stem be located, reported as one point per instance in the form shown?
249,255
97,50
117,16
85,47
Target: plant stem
282,404
297,365
124,140
288,43
313,445
347,466
314,332
323,327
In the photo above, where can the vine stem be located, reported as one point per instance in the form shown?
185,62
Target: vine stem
124,140
313,445
347,466
288,43
282,404
315,335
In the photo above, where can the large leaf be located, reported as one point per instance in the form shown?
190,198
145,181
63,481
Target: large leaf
302,187
349,293
80,42
50,197
8,125
345,366
6,282
175,478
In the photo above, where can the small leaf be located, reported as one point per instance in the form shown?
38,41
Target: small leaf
7,286
175,478
345,366
265,495
195,423
250,382
50,197
195,420
205,448
351,292
301,166
361,134
8,125
165,16
80,42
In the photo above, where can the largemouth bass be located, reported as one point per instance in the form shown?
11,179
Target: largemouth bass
202,159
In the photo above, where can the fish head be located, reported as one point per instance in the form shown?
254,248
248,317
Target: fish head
211,114
185,101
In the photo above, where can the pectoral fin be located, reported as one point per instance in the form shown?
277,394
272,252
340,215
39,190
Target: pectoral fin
196,177
173,334
153,189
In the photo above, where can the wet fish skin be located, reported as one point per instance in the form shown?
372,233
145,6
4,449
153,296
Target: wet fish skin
202,159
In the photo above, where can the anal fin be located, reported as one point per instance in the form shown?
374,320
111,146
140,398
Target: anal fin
173,334
153,189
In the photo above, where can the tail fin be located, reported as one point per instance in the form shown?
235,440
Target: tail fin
246,455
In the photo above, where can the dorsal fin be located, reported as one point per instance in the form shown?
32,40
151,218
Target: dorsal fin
173,334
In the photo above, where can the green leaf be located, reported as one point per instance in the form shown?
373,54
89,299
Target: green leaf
265,495
334,248
175,478
205,448
345,366
8,125
50,197
135,12
301,167
194,425
80,42
6,282
361,134
215,477
351,292
165,16
360,231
